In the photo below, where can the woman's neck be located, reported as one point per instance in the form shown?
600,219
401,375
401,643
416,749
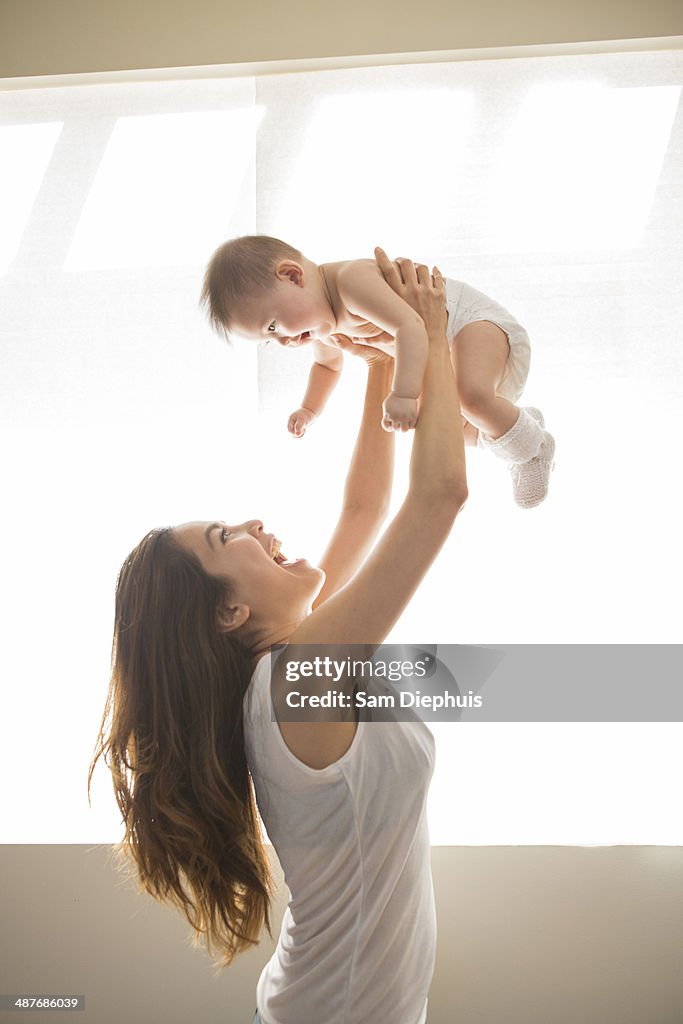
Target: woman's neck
262,642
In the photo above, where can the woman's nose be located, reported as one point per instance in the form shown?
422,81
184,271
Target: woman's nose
254,526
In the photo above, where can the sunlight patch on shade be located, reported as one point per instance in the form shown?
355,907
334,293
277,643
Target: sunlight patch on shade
374,166
170,188
579,168
25,151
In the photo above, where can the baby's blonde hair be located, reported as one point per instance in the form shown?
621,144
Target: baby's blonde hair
239,269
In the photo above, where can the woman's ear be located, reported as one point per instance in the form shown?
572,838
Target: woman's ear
289,270
232,616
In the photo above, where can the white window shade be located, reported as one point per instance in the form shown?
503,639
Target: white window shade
25,151
551,183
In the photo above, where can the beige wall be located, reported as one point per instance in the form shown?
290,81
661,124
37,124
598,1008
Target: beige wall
50,37
527,935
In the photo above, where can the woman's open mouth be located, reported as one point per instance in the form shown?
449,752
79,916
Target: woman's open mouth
278,557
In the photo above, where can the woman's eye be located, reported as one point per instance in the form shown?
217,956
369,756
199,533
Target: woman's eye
225,533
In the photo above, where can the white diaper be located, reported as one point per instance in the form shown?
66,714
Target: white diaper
466,305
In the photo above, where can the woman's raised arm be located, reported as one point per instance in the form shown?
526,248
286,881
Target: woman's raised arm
366,608
368,482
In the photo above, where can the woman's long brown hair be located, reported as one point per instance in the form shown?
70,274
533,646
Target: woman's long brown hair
172,737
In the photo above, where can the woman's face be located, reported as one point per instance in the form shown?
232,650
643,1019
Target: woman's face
249,557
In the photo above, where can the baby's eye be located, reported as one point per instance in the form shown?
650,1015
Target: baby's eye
271,327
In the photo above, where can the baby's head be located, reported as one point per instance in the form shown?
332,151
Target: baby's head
261,287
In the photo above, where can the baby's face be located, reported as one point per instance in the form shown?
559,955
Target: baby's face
292,313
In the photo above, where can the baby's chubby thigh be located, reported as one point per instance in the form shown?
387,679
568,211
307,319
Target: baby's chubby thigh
479,353
470,434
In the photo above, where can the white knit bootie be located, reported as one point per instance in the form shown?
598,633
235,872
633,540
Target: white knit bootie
529,451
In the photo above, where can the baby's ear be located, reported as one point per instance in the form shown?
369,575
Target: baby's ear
289,270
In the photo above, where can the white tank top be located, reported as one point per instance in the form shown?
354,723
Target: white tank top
358,937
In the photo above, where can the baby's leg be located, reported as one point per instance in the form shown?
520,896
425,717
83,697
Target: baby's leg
471,434
479,353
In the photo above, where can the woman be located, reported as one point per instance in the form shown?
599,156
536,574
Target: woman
198,609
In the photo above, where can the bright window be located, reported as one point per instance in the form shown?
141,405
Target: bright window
550,183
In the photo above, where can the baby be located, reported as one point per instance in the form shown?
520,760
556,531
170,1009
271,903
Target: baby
264,289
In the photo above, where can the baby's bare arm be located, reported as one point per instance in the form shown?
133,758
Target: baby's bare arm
327,354
322,380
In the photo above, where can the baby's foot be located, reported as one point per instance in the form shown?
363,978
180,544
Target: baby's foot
530,479
536,413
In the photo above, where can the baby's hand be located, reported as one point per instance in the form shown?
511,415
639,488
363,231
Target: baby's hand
399,413
299,421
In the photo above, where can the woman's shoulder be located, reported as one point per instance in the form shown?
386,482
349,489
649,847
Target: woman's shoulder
317,733
259,680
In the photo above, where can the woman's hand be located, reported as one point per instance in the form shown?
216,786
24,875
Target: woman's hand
372,356
424,292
